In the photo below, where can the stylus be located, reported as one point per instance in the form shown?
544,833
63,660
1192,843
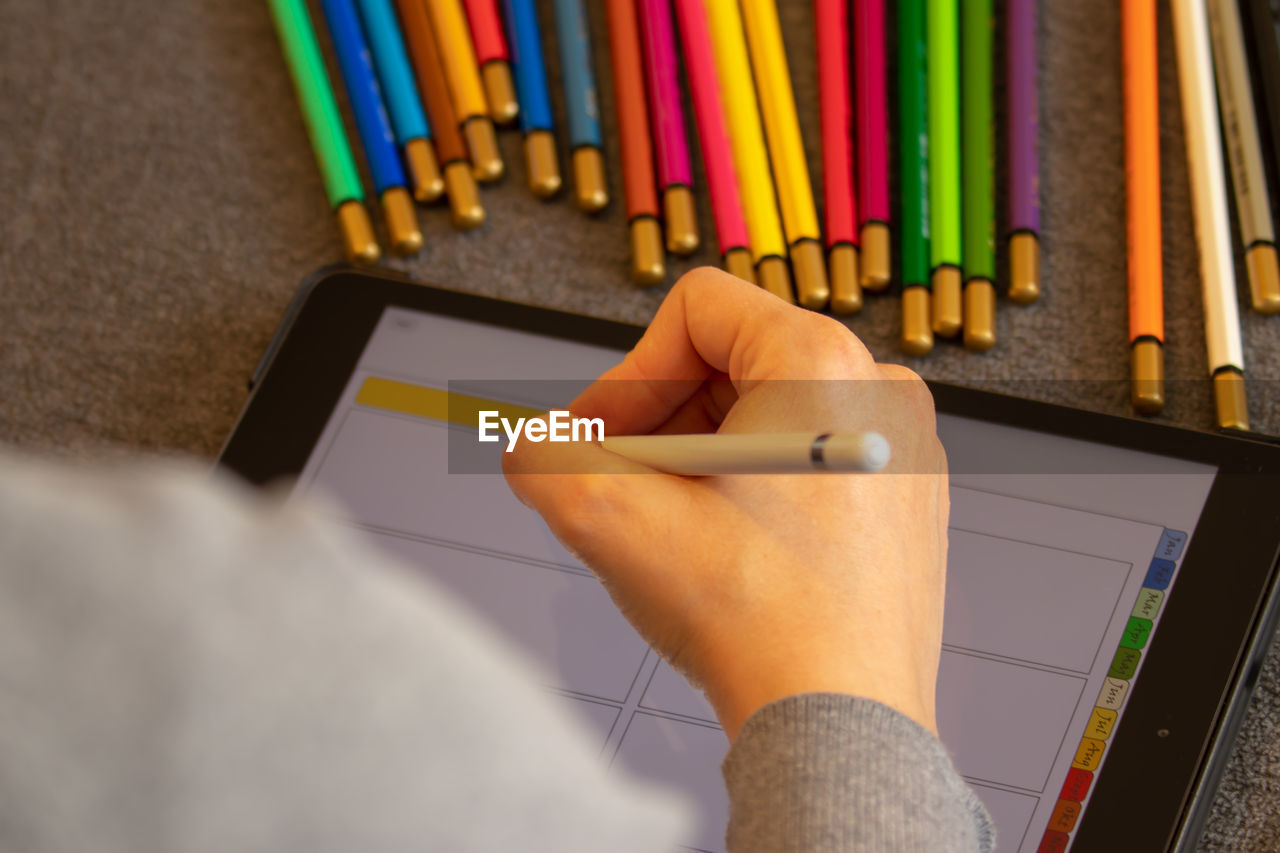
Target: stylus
1142,205
1244,155
754,453
1209,197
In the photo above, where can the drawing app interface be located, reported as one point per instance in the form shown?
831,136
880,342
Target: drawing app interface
1057,579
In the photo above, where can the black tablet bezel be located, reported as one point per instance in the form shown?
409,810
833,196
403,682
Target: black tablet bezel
1172,742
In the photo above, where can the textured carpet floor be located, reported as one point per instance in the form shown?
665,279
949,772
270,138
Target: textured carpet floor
162,204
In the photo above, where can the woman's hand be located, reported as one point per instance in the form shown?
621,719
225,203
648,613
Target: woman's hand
760,587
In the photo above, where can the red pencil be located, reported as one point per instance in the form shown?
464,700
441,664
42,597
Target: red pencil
494,59
869,74
639,183
835,108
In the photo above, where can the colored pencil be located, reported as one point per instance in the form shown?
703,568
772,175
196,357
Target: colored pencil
839,193
495,61
573,35
978,184
786,151
324,128
713,133
1264,65
1209,202
413,132
1142,204
870,83
670,138
373,125
750,157
1244,155
1022,122
459,180
913,184
453,44
635,148
943,69
524,38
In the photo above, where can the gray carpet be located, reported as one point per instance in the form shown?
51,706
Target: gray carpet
163,204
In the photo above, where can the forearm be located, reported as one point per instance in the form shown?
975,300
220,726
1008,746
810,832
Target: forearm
833,772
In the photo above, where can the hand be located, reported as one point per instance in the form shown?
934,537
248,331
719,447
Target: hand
760,587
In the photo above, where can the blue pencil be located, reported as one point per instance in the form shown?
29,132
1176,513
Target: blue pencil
573,35
525,43
373,124
408,119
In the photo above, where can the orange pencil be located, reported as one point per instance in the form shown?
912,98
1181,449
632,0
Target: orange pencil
1142,202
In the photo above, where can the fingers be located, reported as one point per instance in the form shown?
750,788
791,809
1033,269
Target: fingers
715,322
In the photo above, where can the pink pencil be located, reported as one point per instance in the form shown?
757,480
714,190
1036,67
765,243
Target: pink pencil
835,97
717,152
873,141
670,142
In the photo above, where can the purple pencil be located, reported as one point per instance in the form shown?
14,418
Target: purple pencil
670,139
1024,155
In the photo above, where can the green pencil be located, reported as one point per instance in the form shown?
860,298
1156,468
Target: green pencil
944,163
913,186
324,126
978,153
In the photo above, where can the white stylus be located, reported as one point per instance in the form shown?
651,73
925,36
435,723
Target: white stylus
754,453
1209,202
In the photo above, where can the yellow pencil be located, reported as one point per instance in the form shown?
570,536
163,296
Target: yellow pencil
453,38
750,157
786,151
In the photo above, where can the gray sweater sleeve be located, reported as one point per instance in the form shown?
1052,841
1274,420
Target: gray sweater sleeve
827,772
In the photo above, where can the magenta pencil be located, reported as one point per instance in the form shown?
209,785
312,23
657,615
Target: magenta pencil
835,102
871,97
670,140
713,132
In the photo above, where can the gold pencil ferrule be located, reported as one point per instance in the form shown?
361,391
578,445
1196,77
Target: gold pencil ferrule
1146,371
358,242
1229,399
500,91
1264,278
402,221
842,269
680,216
948,304
464,196
648,259
917,333
1024,268
875,264
590,189
809,264
738,262
482,145
424,171
772,275
979,315
542,164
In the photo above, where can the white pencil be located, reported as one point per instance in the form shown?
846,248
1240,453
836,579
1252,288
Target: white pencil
1209,200
1244,154
708,454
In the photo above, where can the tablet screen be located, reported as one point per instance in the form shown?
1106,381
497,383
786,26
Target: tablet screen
1062,556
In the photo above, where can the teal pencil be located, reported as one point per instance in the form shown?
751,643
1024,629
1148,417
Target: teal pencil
944,163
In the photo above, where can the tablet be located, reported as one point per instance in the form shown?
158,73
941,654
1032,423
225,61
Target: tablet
1110,581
